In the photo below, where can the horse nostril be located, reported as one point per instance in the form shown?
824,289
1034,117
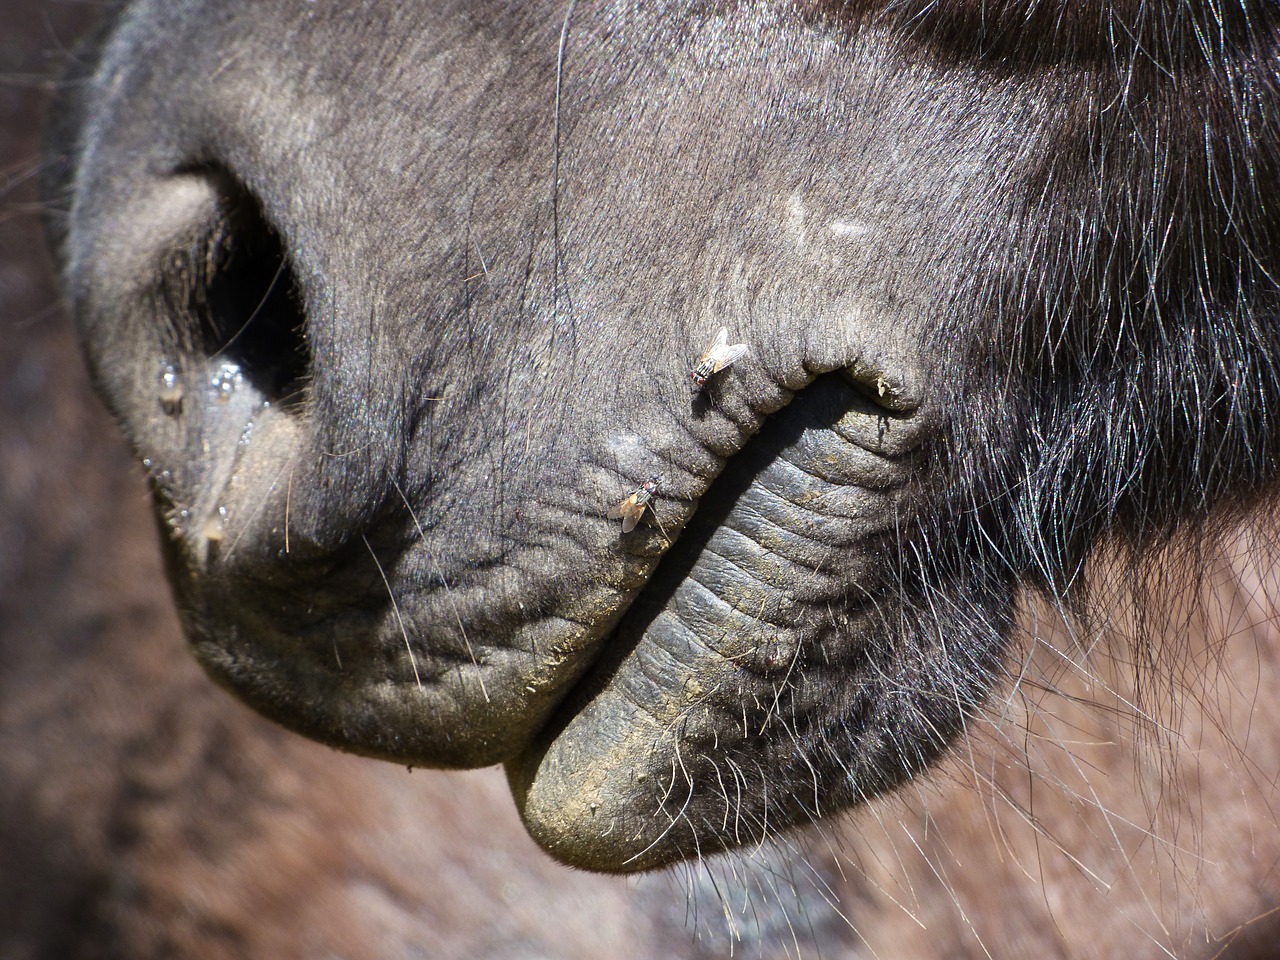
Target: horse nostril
198,338
236,298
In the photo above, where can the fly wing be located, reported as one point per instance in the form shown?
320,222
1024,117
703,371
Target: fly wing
630,510
722,338
728,356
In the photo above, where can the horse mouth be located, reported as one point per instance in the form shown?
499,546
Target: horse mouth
751,637
722,644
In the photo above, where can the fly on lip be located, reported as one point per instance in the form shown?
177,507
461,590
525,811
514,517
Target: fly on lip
719,356
633,507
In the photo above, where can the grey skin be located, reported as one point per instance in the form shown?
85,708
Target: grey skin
396,301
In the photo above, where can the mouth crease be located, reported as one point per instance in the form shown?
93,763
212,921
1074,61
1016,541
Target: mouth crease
721,498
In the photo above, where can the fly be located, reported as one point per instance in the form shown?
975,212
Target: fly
633,508
719,356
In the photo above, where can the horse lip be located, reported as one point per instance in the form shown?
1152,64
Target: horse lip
585,786
540,678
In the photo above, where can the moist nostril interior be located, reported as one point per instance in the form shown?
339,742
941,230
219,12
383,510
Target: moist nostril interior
238,292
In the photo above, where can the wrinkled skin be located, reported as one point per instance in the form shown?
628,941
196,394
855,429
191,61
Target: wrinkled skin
985,334
392,332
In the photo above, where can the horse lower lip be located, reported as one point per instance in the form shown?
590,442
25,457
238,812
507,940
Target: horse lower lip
753,612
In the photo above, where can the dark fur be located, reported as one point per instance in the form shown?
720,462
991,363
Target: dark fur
1062,366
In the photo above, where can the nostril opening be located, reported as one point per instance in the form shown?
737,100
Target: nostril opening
235,288
254,317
